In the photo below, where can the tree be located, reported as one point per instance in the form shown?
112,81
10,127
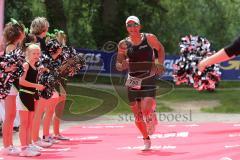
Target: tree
91,23
56,14
19,10
106,24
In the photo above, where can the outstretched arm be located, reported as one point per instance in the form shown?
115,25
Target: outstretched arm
220,56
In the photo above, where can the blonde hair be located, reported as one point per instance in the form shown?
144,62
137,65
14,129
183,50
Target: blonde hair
61,37
39,25
30,48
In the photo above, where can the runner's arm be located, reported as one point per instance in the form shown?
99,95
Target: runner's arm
121,62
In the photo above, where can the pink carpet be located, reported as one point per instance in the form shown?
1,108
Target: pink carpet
209,141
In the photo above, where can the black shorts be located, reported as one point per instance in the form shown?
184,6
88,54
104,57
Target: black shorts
234,48
27,100
148,89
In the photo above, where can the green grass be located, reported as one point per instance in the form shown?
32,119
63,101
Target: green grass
229,84
82,103
229,98
229,101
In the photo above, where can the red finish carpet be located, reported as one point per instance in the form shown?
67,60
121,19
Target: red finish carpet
205,141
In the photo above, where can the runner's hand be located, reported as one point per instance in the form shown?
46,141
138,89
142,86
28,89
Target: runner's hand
160,69
125,64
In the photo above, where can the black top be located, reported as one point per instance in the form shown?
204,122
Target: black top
42,44
141,58
30,77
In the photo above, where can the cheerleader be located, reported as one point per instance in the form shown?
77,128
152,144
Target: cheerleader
49,62
13,35
26,97
61,38
39,28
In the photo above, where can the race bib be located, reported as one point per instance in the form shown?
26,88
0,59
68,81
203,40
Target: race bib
133,82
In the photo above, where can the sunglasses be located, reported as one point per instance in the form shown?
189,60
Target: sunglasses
132,24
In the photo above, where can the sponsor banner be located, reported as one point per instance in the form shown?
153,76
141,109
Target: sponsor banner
103,63
231,69
97,61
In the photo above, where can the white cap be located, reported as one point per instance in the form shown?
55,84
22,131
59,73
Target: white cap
133,18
